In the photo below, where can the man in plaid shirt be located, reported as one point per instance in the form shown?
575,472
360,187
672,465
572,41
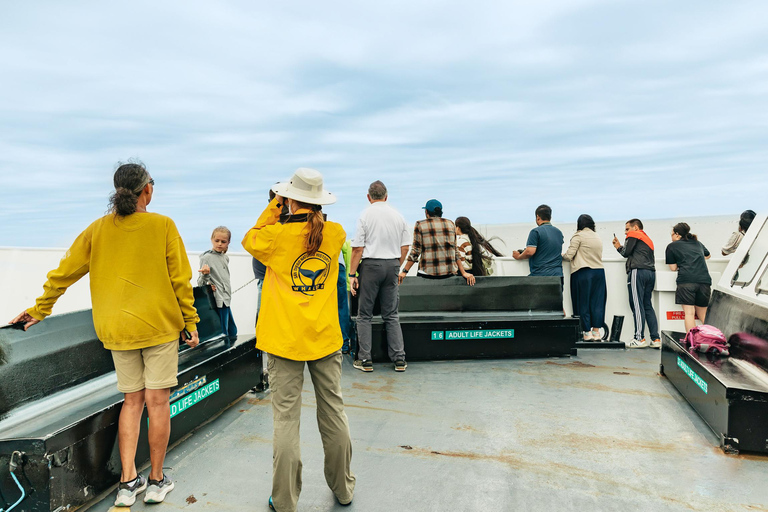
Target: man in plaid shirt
434,240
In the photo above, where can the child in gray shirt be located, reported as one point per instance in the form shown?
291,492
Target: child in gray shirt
214,271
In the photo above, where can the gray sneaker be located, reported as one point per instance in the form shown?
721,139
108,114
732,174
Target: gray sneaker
365,365
400,365
158,489
128,491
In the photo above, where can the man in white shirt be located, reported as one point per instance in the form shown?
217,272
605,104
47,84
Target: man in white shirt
379,248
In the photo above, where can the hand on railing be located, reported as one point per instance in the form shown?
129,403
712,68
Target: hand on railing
26,319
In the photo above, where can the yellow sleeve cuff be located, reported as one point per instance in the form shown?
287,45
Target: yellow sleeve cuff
36,314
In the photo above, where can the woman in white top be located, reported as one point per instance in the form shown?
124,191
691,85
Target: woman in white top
475,252
747,216
588,289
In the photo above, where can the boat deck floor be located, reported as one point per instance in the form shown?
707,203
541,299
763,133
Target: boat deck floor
600,431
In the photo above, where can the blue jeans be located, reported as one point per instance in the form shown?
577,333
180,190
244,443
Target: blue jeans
228,326
345,321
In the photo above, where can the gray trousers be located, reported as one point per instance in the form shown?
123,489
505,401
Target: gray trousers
378,278
286,380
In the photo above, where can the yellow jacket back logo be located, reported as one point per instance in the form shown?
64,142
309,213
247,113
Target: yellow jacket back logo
309,273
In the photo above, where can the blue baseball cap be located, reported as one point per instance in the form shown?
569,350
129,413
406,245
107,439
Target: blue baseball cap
433,205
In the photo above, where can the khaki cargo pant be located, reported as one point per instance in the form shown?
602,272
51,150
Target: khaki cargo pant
286,380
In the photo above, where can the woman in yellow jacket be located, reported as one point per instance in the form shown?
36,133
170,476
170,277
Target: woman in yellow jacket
142,299
299,323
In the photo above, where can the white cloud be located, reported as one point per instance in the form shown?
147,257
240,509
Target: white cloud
492,107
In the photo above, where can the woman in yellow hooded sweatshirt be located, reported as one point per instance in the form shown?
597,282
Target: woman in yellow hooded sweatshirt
298,325
142,299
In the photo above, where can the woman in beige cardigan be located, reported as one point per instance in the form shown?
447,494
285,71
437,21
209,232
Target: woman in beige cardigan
588,289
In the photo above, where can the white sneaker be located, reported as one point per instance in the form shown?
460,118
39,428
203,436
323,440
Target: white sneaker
158,489
637,343
656,343
128,491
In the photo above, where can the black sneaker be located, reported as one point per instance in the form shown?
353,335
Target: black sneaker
158,489
128,491
400,365
365,365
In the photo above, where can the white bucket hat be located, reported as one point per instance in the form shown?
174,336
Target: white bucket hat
306,185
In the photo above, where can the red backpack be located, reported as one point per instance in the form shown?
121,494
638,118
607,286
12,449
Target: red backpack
707,338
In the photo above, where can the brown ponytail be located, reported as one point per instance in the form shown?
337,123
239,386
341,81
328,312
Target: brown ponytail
129,179
684,230
315,225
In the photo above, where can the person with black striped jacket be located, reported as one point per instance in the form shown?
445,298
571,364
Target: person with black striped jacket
641,278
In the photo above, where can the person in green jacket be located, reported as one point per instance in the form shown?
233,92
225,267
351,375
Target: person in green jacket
342,285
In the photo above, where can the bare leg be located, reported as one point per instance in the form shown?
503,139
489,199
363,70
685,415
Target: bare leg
128,433
701,312
690,317
159,411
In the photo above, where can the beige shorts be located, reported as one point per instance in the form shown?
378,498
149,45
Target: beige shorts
147,368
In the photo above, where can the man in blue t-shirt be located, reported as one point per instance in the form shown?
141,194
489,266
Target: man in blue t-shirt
544,246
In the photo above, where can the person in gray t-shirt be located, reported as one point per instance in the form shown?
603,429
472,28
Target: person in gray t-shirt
214,271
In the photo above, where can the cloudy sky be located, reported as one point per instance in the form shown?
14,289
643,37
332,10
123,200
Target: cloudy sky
615,108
